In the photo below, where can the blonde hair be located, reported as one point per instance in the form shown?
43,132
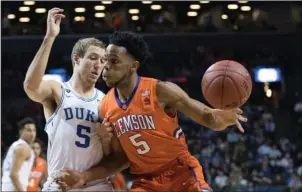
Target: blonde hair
82,45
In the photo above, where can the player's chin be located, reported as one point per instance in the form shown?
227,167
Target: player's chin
93,80
109,84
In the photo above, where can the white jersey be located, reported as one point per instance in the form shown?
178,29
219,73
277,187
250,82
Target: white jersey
24,171
72,140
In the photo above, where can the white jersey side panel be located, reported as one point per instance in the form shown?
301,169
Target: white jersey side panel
72,140
24,172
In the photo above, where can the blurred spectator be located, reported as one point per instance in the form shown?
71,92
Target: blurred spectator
232,136
286,162
275,152
298,107
265,148
295,184
221,180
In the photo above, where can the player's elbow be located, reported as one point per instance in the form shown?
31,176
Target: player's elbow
13,175
34,92
28,86
30,90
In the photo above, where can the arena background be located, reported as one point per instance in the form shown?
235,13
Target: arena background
185,39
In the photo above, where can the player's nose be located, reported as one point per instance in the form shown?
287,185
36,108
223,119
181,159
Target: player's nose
97,66
106,65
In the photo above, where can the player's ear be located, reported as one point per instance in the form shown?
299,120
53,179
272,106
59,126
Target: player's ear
75,59
135,65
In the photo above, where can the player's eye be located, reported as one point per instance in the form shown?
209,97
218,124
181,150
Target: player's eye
114,61
103,60
93,57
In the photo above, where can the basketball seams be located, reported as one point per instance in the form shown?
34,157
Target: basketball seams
244,79
236,87
222,86
210,83
221,70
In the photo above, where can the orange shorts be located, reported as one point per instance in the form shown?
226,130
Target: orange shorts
182,174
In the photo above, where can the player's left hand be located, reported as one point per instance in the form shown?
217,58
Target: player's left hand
70,179
105,132
225,118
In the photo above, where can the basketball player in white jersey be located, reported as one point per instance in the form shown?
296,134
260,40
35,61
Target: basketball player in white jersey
19,159
70,108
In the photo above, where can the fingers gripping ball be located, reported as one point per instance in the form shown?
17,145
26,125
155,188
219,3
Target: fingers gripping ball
226,85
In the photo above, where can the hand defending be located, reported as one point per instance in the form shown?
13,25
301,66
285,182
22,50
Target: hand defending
54,19
70,179
105,132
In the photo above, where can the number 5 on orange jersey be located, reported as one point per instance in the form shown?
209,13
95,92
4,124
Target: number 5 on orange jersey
143,145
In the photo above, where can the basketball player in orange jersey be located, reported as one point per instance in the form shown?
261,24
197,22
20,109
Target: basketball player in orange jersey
39,171
118,182
143,114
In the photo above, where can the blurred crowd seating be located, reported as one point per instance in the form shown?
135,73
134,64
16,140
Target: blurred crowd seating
170,17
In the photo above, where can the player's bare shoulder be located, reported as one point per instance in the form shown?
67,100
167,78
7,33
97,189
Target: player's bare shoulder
22,150
57,90
169,94
55,94
53,99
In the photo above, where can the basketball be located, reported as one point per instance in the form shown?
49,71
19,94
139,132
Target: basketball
226,85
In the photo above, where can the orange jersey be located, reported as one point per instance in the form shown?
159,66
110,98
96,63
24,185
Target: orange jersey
149,137
36,174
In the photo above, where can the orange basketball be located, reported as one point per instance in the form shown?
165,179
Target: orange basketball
226,85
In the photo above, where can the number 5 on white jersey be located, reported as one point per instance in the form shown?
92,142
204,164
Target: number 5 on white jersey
144,147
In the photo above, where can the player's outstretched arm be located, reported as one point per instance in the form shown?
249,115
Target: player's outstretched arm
21,154
116,162
34,87
172,96
113,163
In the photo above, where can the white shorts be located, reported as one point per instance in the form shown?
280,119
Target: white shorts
9,186
99,185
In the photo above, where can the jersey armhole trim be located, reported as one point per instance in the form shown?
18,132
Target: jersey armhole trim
58,106
67,84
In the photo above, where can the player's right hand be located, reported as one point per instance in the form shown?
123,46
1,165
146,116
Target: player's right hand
70,179
54,19
225,118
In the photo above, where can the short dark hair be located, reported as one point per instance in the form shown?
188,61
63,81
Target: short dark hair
134,43
25,121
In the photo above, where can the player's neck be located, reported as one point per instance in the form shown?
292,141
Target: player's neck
81,87
126,88
28,142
